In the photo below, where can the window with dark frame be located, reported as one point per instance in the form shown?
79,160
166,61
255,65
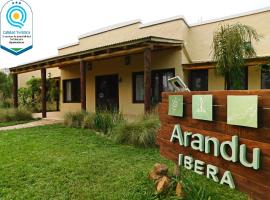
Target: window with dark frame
138,87
159,84
265,77
244,81
198,80
72,91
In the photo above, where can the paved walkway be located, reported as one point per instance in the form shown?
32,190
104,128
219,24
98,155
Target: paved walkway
41,122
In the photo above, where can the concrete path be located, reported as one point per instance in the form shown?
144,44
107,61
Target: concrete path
41,122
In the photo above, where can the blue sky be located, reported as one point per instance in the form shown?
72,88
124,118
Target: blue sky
59,22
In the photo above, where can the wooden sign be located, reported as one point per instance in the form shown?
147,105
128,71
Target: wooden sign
236,156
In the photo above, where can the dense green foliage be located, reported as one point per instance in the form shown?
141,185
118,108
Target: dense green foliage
232,44
30,96
7,115
55,162
5,90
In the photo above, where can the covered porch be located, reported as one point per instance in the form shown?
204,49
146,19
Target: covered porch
83,62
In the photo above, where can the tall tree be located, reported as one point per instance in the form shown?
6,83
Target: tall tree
232,44
5,86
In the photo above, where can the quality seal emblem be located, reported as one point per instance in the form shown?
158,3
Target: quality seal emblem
16,27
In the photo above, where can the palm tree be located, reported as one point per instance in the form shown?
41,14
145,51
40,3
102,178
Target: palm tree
232,44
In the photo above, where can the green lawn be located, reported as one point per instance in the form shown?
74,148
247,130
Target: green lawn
54,162
12,123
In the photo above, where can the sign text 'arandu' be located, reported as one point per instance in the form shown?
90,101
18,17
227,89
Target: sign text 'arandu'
199,142
225,147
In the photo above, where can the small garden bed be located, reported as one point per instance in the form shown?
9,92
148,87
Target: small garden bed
141,132
10,117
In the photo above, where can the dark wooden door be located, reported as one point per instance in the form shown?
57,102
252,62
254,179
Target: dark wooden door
107,93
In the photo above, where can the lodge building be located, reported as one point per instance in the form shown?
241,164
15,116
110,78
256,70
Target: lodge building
126,66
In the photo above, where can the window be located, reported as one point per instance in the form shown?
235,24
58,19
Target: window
159,84
265,77
198,80
138,87
72,91
243,81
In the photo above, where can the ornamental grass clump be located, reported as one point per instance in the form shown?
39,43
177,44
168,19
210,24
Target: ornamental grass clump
74,119
7,115
141,132
88,121
102,121
105,121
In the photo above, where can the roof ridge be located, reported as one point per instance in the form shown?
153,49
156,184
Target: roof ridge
242,14
109,28
164,20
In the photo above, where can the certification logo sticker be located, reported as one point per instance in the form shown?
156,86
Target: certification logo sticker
16,35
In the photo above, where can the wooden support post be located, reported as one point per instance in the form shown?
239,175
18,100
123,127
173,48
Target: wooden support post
83,85
147,80
43,92
15,90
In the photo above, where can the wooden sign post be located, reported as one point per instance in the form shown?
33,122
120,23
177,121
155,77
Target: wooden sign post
228,143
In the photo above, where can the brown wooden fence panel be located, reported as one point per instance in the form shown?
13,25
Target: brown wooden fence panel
255,182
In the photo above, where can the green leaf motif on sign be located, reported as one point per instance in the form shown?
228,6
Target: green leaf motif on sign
202,107
175,105
242,110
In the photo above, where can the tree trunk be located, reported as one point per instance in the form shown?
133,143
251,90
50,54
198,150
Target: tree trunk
227,81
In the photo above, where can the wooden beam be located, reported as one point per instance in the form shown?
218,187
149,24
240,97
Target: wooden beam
43,92
258,62
15,90
114,54
92,57
147,80
101,56
198,68
83,84
66,62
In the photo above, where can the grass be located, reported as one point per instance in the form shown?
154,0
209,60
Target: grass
12,123
55,162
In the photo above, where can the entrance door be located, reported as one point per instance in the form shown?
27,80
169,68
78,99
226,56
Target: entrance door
107,93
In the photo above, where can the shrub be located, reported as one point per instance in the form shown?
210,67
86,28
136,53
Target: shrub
102,121
7,103
139,133
74,119
88,121
7,115
30,96
105,121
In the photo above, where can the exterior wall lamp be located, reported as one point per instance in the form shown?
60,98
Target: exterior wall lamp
127,60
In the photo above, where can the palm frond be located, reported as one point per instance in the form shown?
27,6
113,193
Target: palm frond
232,44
